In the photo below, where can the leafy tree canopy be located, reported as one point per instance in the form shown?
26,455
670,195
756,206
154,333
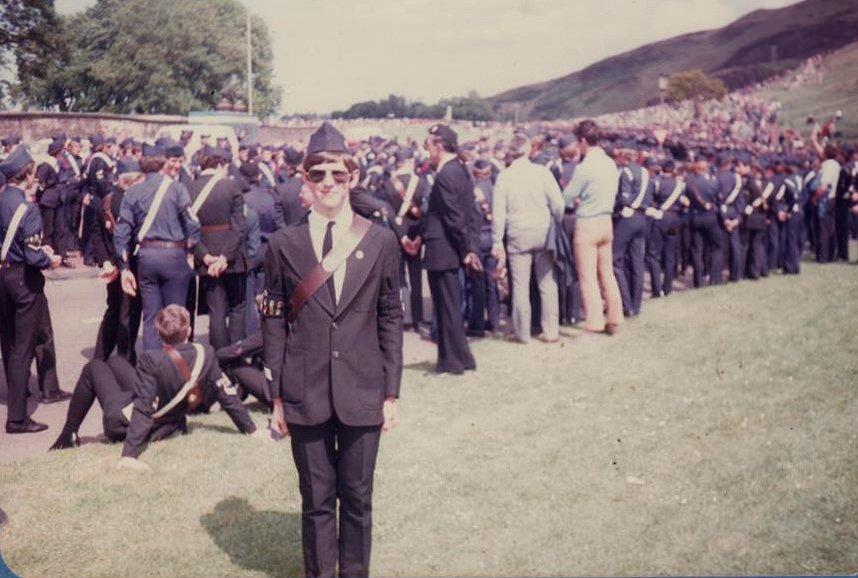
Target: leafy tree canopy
470,107
151,56
694,84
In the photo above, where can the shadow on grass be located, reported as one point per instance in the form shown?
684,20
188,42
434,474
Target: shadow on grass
262,541
421,366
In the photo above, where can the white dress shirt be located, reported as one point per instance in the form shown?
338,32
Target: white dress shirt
829,174
318,228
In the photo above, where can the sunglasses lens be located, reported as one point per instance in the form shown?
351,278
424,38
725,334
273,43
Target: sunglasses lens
341,176
316,176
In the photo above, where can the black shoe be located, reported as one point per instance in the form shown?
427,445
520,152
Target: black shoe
56,397
26,426
65,441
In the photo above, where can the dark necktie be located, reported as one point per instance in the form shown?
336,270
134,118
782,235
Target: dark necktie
326,248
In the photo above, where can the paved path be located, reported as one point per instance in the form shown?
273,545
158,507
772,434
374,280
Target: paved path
77,302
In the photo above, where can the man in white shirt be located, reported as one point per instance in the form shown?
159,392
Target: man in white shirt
526,200
825,199
594,189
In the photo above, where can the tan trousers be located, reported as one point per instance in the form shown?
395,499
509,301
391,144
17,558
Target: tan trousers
592,244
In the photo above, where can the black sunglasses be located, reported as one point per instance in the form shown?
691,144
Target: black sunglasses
318,175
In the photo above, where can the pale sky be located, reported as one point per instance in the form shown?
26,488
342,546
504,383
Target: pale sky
329,54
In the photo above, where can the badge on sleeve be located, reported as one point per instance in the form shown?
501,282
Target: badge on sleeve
358,254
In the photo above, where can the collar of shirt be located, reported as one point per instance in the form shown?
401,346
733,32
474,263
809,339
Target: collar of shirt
318,223
208,172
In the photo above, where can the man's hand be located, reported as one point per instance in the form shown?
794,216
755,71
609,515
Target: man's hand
782,216
473,263
133,465
216,265
388,410
129,283
499,254
109,272
87,199
410,247
627,212
278,420
56,261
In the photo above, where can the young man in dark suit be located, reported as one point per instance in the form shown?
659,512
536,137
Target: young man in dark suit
447,233
332,328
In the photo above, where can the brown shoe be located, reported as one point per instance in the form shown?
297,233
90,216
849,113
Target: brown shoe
611,328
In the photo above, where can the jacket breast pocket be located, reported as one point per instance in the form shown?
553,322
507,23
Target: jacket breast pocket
294,378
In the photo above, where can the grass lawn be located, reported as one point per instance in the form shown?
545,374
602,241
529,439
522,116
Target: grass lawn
716,434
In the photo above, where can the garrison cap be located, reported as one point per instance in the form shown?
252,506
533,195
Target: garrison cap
17,160
127,165
155,150
96,140
447,135
129,142
56,147
173,150
668,165
293,157
60,136
10,141
327,139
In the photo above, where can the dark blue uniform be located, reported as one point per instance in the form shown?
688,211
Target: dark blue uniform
22,299
630,228
730,187
164,272
664,234
706,233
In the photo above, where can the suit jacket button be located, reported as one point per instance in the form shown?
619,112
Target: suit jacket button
335,354
334,326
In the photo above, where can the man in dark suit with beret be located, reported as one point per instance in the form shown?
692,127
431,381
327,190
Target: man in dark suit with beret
332,330
447,234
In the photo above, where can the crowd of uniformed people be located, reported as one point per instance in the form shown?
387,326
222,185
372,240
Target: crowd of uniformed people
177,233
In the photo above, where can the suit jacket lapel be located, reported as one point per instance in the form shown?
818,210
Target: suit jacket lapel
303,259
358,266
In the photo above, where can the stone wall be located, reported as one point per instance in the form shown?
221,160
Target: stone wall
32,126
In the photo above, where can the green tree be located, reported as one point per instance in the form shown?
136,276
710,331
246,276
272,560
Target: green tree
694,84
29,32
155,57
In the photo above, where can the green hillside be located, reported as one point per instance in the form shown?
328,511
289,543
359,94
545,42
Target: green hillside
837,91
754,47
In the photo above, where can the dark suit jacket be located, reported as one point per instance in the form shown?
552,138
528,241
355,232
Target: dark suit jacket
447,231
224,206
289,205
158,381
341,359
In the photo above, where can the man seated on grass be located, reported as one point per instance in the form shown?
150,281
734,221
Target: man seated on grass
151,402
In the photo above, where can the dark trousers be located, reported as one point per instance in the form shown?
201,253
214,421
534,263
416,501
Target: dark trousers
825,240
629,254
794,243
571,302
334,461
110,382
46,353
757,262
454,354
53,229
415,287
707,235
484,308
226,298
736,254
120,324
22,299
252,381
163,280
841,228
254,285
